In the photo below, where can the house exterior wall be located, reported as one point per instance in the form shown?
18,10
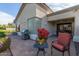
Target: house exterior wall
61,16
28,12
76,31
40,12
52,28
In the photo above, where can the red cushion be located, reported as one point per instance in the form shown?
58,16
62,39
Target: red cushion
63,38
58,46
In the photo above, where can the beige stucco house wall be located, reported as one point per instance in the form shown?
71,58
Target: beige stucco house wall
30,10
76,30
27,12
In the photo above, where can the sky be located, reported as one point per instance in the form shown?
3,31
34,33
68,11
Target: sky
60,6
8,12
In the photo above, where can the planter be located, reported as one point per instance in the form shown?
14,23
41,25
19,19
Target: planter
41,41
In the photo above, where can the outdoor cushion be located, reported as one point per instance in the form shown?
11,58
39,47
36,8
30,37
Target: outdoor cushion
58,46
64,39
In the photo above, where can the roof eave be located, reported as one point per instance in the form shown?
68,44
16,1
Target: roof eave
64,10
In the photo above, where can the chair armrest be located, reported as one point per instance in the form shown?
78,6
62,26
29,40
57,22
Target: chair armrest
54,41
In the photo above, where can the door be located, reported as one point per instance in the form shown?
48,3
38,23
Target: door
64,27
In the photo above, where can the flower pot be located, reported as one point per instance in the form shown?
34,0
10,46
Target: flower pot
41,41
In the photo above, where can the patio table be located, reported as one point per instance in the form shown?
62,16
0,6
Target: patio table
41,47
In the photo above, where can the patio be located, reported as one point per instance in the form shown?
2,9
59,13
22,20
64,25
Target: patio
21,47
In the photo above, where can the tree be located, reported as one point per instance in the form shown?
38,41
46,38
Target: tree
11,25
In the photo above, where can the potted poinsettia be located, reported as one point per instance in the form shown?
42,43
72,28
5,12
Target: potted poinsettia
42,35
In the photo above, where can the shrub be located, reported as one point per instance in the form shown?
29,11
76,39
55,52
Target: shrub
4,43
2,34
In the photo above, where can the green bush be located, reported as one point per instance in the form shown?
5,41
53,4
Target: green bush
2,34
5,44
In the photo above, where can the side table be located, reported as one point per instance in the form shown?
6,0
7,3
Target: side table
41,47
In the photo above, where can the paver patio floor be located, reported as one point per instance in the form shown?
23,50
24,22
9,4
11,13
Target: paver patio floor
21,47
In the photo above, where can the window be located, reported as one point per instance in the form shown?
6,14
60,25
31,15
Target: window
33,24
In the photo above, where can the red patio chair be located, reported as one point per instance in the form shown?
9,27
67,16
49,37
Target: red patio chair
62,43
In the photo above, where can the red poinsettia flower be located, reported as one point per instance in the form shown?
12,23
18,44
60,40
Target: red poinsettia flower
43,33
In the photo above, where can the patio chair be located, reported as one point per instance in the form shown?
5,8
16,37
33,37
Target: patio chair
5,44
62,43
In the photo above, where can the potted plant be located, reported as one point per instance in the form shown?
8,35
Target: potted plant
42,35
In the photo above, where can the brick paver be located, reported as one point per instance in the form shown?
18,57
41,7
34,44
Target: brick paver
21,47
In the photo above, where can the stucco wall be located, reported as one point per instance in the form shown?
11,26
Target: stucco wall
61,16
40,12
28,12
76,31
50,27
31,10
